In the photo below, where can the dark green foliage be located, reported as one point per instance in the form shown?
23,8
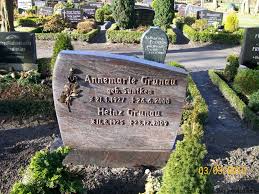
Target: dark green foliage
189,20
124,13
115,35
122,36
107,9
99,15
44,66
246,81
181,172
46,174
254,101
63,42
210,36
242,109
163,13
231,68
31,21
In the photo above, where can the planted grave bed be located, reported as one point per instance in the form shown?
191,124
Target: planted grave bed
116,35
241,88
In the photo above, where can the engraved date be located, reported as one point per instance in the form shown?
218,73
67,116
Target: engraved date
136,100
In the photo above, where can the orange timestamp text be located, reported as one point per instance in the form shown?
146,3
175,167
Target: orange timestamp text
222,170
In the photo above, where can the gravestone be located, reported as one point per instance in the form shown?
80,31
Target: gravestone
24,4
46,11
88,11
72,15
95,4
125,111
40,3
192,10
181,9
17,51
155,44
211,16
249,55
144,16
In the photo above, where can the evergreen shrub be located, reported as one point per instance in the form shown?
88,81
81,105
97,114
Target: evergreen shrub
254,101
231,68
63,42
232,22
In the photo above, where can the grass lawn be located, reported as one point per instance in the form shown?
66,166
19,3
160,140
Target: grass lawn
248,20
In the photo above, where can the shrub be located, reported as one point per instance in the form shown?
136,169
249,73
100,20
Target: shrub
108,18
107,9
200,25
178,22
243,111
123,36
99,15
246,81
254,101
163,13
171,35
181,172
46,174
232,22
231,68
44,66
58,6
55,24
86,26
26,22
189,20
63,42
123,12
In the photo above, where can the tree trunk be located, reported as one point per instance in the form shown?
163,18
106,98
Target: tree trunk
6,12
256,7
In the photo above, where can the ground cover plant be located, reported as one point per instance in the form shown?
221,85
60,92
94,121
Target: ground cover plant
47,174
240,87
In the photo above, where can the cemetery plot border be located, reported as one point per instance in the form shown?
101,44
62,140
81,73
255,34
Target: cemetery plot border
80,37
128,36
242,109
207,36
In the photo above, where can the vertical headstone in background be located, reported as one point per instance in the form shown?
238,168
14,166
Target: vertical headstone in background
17,51
24,4
40,3
46,11
249,55
211,16
181,9
88,11
144,16
155,44
192,10
72,15
127,112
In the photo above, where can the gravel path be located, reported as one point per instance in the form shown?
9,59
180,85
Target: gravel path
229,141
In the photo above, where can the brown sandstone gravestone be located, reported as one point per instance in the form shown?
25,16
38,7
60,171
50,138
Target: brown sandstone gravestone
115,110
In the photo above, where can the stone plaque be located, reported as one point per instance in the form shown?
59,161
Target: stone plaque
249,55
144,16
89,11
211,16
46,11
95,4
17,50
40,3
115,110
155,44
24,4
73,15
192,10
181,9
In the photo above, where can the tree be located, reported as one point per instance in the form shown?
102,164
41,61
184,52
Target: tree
163,13
123,13
6,7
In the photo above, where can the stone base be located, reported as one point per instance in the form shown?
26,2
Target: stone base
117,159
19,67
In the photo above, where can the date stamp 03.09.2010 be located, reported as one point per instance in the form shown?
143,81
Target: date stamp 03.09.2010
223,170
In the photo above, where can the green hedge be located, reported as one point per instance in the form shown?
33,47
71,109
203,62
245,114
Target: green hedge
74,36
181,174
243,110
206,36
127,36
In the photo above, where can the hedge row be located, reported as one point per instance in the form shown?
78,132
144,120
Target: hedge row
181,172
74,36
243,110
126,36
206,36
